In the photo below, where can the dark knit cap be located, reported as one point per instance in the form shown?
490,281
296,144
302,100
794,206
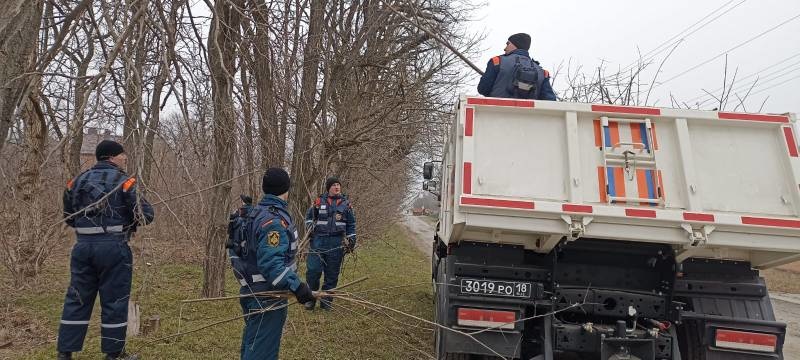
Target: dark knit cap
330,181
275,181
108,148
521,41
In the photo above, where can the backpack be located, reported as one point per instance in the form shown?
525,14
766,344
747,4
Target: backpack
239,232
90,195
526,76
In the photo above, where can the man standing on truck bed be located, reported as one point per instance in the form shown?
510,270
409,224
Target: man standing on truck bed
515,75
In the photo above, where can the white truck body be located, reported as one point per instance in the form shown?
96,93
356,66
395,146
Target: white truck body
711,184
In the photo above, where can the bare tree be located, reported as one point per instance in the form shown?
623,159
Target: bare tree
222,44
17,46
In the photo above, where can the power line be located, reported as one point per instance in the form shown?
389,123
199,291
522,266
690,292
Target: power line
776,85
750,86
758,72
761,86
669,42
760,79
728,50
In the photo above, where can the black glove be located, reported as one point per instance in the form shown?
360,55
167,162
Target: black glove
303,293
349,244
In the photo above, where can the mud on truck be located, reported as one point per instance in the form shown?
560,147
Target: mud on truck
580,231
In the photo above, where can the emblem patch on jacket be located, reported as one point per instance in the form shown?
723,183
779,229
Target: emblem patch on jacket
273,239
338,216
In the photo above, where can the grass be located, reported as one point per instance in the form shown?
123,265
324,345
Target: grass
782,280
349,332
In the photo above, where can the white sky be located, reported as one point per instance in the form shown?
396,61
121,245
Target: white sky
611,30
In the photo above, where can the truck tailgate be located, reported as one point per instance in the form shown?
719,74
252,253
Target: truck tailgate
713,184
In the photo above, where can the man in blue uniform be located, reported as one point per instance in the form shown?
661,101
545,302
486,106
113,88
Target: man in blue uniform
333,225
103,207
515,75
267,264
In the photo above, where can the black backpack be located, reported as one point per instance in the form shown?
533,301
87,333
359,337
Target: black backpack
525,79
90,196
239,227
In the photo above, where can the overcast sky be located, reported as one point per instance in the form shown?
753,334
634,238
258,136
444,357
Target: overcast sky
588,32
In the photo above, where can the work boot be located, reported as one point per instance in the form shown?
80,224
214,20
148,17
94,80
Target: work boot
64,355
326,304
310,305
121,356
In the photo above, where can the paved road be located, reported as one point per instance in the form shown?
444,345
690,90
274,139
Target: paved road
786,306
787,309
421,233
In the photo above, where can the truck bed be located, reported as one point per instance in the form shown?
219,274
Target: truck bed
711,184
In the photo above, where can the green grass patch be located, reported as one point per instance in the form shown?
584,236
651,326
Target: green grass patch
351,331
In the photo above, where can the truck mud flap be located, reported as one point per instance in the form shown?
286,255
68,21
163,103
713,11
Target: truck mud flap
725,338
492,343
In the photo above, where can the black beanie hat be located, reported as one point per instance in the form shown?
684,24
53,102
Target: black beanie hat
275,181
108,148
521,41
330,181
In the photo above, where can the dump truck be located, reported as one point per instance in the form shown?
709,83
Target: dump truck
596,231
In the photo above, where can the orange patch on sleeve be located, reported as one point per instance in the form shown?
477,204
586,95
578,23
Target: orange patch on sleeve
128,184
496,60
70,183
546,73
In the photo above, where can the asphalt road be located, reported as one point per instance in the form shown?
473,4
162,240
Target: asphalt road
786,306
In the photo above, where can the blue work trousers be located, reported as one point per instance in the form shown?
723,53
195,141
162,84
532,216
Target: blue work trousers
97,266
261,339
325,257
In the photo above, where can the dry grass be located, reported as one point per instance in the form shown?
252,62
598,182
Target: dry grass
783,279
351,331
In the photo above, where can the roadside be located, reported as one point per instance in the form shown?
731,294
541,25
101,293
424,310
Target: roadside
420,232
784,285
396,279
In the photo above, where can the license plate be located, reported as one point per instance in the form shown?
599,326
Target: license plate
496,288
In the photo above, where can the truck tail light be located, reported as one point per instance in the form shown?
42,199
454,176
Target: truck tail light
742,340
486,318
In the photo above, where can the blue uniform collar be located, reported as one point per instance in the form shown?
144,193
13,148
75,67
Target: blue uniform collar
522,52
105,164
329,196
272,200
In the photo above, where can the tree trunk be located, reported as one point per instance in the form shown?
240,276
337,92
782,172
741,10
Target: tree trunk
29,249
302,170
247,113
222,41
74,139
33,235
154,112
265,93
17,44
132,132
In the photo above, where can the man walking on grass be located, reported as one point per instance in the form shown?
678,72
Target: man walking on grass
333,227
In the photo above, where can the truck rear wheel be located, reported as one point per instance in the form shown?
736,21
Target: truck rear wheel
690,341
441,306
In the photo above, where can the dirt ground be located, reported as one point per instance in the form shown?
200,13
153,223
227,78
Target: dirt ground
784,285
793,267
